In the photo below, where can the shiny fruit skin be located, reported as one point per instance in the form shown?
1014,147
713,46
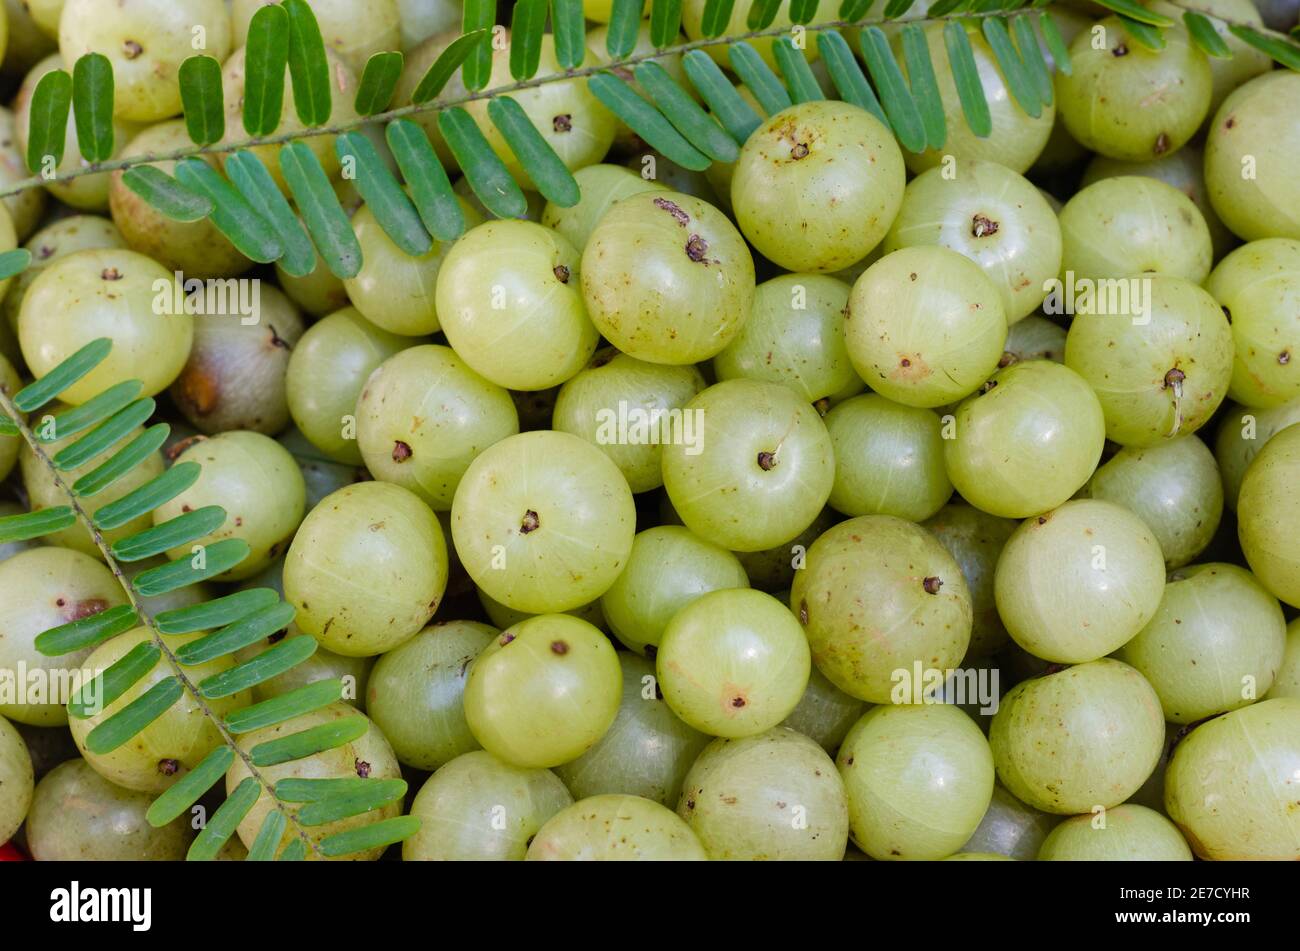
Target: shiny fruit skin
16,778
975,539
1287,682
1242,435
544,691
600,186
825,712
1268,516
615,828
1130,833
1010,828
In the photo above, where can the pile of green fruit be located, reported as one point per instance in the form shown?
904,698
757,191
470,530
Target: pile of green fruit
838,502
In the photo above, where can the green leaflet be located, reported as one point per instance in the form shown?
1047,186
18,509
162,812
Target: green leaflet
254,182
38,524
308,67
1282,51
665,22
209,562
551,176
268,837
479,15
924,86
624,21
437,204
36,395
216,613
802,11
87,632
326,221
161,488
736,115
186,791
758,76
1013,67
1143,33
181,530
699,128
383,195
1039,72
1056,43
1135,11
799,78
92,106
94,696
293,789
970,90
1205,36
166,194
287,706
265,57
309,742
487,175
201,99
378,82
371,794
717,14
48,123
527,24
286,655
13,263
646,121
373,836
447,63
231,213
104,436
900,107
570,31
245,631
123,461
95,410
847,75
224,821
134,717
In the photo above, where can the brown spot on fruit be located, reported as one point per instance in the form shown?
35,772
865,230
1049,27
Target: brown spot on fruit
562,123
932,584
982,227
131,49
110,274
561,273
1162,144
401,451
696,248
737,702
799,151
559,647
674,209
766,461
362,768
1119,50
1174,378
1284,357
506,639
168,767
530,523
1007,359
803,611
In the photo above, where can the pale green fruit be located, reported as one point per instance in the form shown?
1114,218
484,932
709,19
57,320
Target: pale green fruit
415,692
993,216
817,185
174,743
424,416
10,446
394,291
776,796
615,829
1132,224
78,815
478,808
1160,373
321,665
975,540
1184,170
26,207
57,240
1127,833
1077,582
503,617
759,469
366,569
1129,102
825,712
543,522
1082,737
919,779
1017,138
879,595
646,752
111,293
195,248
9,549
693,27
733,663
1174,488
1242,435
145,42
667,278
1244,62
43,588
889,459
367,757
544,691
259,485
1268,516
1231,782
510,303
1214,645
1254,130
669,567
1259,285
327,373
627,408
600,186
318,293
794,336
322,476
1028,441
353,31
17,780
773,569
1287,682
926,326
1010,828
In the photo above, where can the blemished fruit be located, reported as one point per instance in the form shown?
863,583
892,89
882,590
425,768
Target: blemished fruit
628,409
794,336
601,186
1243,433
1082,737
667,278
733,663
543,522
78,815
1268,516
510,303
775,796
992,215
889,459
1126,833
1214,645
646,752
351,30
174,743
1027,441
113,293
366,569
327,373
1229,781
926,326
758,470
17,779
478,808
259,485
367,757
1131,224
1034,338
1244,62
669,567
975,539
1255,130
1174,488
1259,286
1080,581
919,778
42,588
1160,371
1129,102
424,416
235,377
615,828
879,595
1010,828
817,185
544,691
825,712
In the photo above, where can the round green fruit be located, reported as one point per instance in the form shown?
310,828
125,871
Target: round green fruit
16,779
1268,516
1242,435
825,712
975,539
1010,828
1127,833
615,829
600,187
